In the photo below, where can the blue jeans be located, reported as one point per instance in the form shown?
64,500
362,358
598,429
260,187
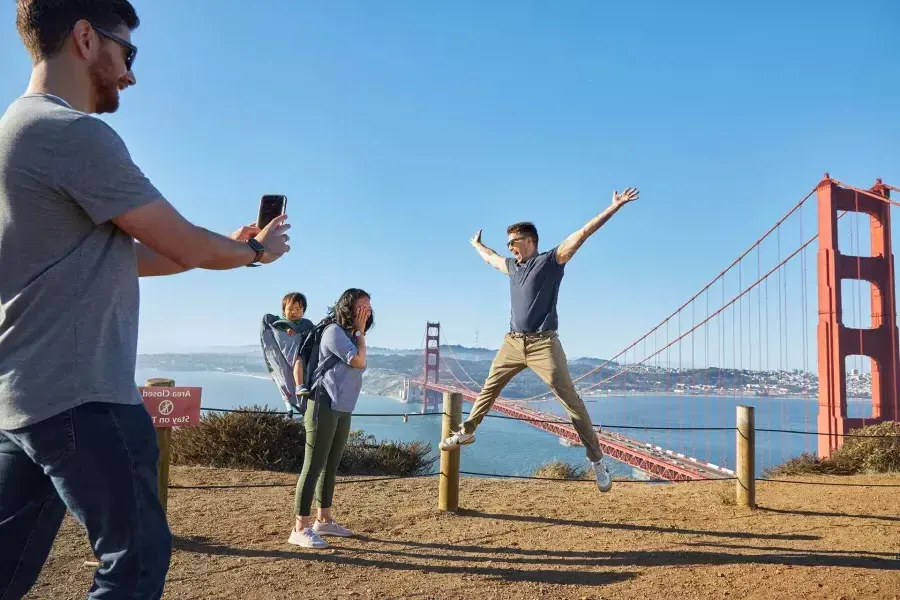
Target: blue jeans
100,461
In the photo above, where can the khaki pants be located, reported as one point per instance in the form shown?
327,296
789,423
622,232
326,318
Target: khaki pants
544,355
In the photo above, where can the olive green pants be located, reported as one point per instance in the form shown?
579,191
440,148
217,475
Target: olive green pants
325,440
544,355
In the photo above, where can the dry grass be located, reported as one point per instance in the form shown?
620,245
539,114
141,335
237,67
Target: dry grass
560,469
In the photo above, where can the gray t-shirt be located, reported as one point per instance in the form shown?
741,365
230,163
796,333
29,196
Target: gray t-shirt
533,292
68,276
342,382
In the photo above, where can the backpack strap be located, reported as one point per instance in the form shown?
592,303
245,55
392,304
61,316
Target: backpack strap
319,373
323,368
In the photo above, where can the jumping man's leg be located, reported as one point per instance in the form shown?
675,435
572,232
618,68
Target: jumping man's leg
548,360
509,361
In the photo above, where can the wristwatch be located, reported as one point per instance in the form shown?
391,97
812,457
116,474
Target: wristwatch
259,249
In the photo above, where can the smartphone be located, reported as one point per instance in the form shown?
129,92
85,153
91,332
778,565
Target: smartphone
270,206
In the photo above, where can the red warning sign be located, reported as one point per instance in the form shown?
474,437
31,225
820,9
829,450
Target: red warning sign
172,406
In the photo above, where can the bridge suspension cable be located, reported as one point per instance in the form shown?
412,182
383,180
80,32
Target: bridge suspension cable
677,312
462,369
707,319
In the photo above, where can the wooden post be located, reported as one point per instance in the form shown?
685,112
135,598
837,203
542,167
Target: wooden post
745,469
164,441
448,485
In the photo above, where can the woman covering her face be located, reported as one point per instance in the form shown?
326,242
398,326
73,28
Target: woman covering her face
327,419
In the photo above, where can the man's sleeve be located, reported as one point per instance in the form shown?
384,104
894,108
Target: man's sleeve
94,168
510,265
337,342
554,258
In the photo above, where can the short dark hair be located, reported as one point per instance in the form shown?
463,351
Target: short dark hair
45,24
291,298
525,227
342,311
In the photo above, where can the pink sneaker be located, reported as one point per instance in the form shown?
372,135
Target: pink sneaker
332,527
307,538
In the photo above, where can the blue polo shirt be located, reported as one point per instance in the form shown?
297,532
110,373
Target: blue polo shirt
533,292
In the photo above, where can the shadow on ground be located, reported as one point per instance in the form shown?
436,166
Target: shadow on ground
514,564
634,527
363,557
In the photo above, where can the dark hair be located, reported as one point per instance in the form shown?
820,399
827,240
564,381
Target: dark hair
45,24
342,310
291,298
526,227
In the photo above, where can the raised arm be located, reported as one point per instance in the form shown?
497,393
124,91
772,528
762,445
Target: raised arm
571,244
489,256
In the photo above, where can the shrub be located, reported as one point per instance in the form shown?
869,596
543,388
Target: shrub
559,469
266,440
806,464
363,455
856,455
263,440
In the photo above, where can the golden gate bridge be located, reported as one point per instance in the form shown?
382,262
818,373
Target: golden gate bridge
726,337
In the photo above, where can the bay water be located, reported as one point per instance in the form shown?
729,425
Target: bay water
509,447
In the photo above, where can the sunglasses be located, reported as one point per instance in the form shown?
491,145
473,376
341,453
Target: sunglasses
515,241
130,49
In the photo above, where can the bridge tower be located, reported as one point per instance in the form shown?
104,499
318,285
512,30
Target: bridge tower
835,341
432,368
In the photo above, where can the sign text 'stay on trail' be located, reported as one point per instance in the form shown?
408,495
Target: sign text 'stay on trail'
172,406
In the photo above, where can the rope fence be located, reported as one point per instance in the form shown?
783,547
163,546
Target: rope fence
562,421
449,473
533,478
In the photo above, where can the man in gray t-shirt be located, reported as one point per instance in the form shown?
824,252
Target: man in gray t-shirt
534,280
79,223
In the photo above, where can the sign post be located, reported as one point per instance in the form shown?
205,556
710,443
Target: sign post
169,407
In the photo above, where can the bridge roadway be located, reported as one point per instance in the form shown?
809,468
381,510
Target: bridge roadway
658,462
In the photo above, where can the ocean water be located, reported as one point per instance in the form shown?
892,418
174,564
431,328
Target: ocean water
513,448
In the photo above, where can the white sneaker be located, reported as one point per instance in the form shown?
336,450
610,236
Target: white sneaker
604,481
460,438
332,527
307,538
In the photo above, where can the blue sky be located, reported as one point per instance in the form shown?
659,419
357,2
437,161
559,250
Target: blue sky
399,128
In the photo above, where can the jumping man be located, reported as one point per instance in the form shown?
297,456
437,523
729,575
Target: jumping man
534,280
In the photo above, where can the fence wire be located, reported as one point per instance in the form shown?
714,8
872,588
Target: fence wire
561,421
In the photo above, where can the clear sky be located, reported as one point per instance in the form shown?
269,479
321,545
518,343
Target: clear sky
399,128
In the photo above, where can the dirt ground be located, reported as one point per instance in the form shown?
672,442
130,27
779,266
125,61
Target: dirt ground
516,539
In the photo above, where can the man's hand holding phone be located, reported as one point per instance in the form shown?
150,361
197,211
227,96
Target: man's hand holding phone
274,239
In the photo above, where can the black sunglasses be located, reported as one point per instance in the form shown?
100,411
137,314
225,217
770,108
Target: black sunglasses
513,241
130,49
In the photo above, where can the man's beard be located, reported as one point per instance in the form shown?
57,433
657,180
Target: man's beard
106,86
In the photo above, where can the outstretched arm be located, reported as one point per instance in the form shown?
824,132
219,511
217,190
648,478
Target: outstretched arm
154,264
489,256
571,244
